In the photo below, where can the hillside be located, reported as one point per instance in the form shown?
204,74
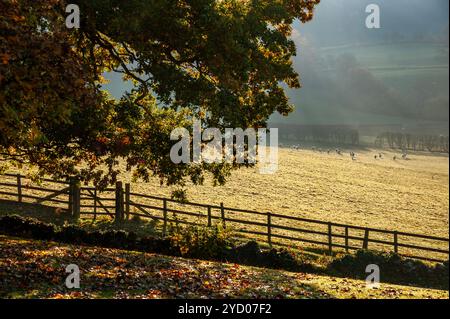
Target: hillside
35,269
403,83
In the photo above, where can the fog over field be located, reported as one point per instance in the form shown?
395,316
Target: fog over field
394,75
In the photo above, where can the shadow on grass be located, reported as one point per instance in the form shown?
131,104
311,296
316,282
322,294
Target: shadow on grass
60,217
37,270
41,212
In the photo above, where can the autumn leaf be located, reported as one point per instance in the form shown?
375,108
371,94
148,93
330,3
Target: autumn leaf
4,57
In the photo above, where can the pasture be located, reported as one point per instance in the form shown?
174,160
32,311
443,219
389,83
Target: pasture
402,195
405,195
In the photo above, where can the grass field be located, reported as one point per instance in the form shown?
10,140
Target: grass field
409,195
404,195
36,269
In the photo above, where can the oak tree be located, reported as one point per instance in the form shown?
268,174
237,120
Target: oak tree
224,61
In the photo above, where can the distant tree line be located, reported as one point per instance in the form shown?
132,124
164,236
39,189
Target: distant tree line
415,142
327,134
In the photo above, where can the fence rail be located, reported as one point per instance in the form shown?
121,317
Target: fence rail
120,204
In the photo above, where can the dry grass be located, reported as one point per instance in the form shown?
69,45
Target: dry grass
404,195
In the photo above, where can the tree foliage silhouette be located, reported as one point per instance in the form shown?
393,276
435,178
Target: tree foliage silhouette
225,62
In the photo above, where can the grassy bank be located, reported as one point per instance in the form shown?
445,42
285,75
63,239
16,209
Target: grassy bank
36,269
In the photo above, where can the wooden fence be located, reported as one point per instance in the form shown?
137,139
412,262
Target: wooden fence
120,204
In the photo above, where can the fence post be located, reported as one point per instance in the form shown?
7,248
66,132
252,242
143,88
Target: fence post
95,202
119,202
19,188
209,217
269,228
71,190
165,217
366,240
222,213
396,242
122,204
346,239
76,205
127,200
330,239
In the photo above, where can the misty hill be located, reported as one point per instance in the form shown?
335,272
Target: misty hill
396,75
